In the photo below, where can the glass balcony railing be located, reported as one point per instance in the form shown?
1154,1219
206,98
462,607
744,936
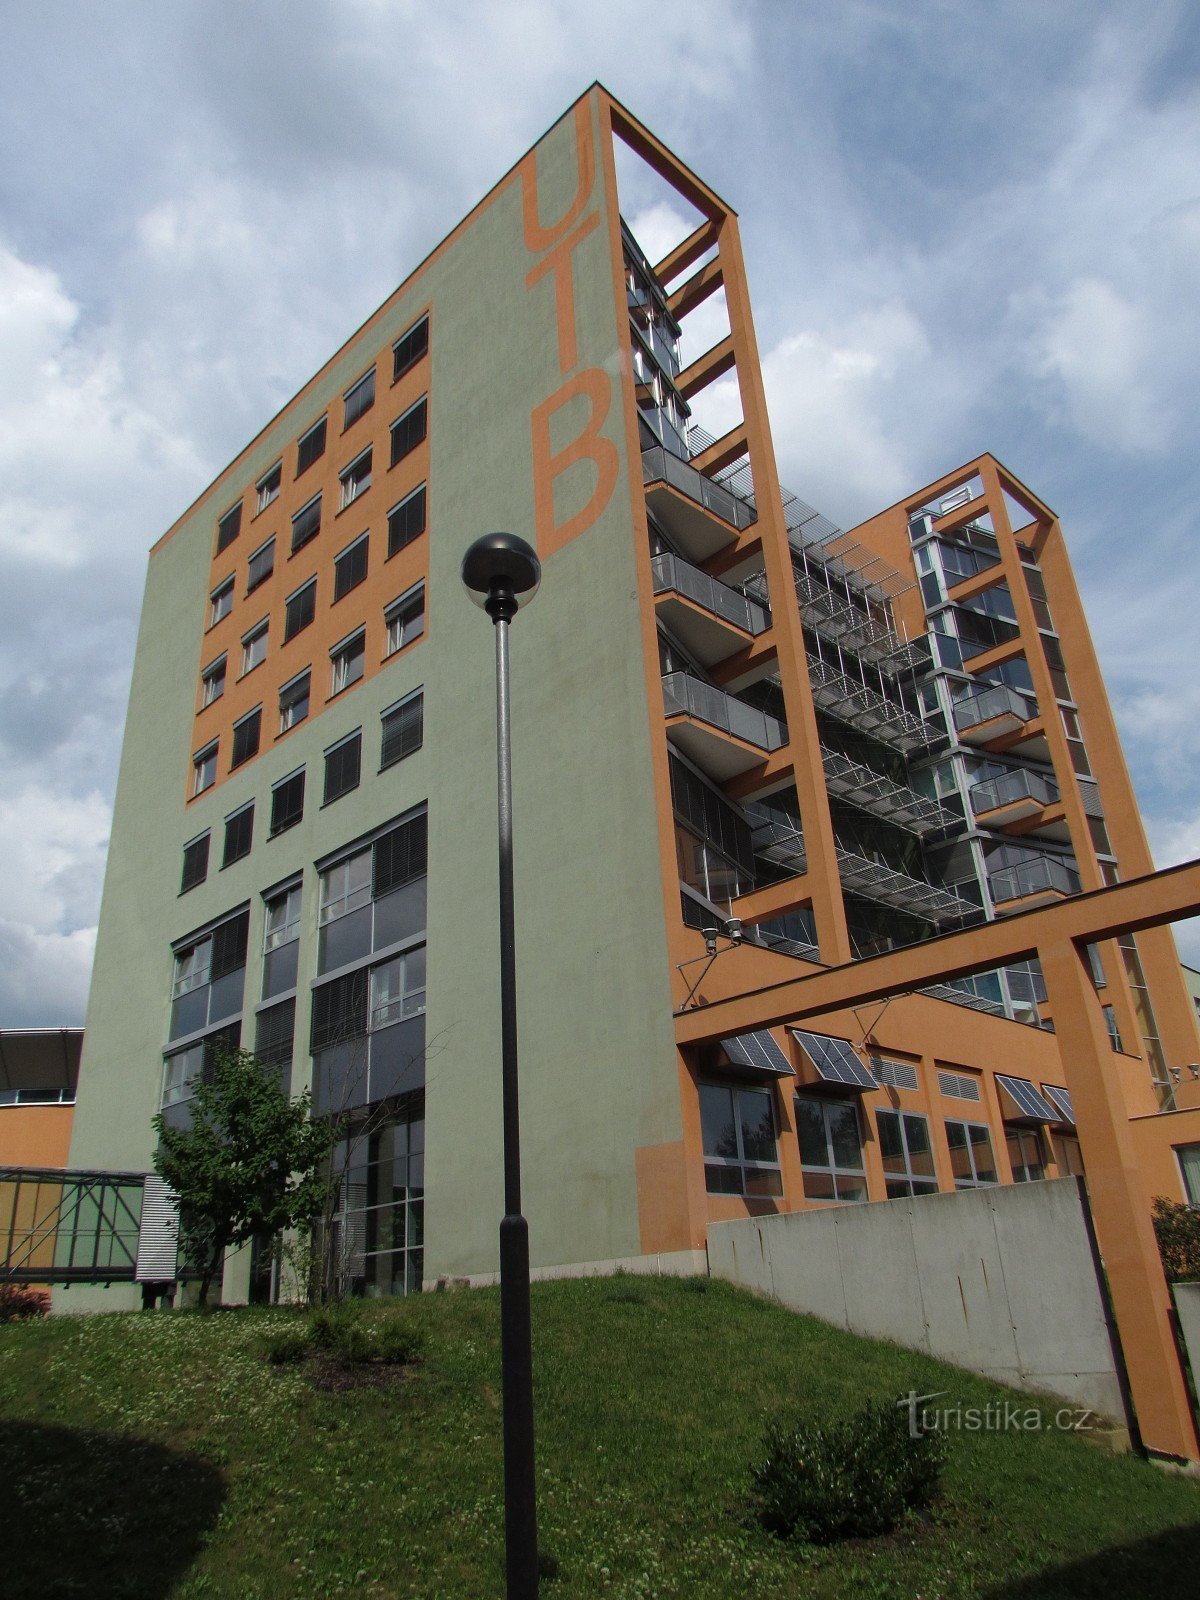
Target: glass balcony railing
1045,876
1012,788
683,693
660,466
867,710
673,574
998,702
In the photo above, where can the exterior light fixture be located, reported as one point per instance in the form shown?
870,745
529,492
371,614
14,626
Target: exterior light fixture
501,573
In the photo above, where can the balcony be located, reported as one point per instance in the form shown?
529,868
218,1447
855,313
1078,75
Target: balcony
722,735
777,838
712,620
699,515
1013,797
873,881
994,713
1033,883
868,710
869,791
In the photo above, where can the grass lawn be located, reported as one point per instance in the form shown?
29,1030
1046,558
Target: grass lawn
159,1454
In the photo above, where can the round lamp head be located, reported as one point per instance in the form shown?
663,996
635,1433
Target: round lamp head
501,567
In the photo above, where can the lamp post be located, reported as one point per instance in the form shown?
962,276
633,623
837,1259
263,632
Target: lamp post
501,573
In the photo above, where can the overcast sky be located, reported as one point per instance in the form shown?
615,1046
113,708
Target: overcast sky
966,227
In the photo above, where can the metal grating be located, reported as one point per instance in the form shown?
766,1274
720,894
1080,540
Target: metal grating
1060,1099
897,1074
158,1236
957,1086
1028,1104
834,1059
759,1053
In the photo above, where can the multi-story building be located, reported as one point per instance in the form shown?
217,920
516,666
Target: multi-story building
746,743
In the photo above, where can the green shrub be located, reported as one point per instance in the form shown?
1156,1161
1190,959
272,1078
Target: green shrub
361,1343
286,1348
1177,1229
857,1478
20,1304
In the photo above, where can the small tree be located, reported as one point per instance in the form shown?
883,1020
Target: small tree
253,1161
1177,1229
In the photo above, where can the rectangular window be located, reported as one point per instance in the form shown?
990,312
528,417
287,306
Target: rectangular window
239,835
245,737
220,602
1027,1155
287,803
311,447
358,399
1189,1170
262,565
375,898
195,863
830,1149
971,1158
397,989
212,682
347,661
409,348
228,528
300,609
356,478
346,887
350,568
741,1155
907,1154
343,767
306,524
405,619
267,488
275,1037
209,977
406,521
281,935
408,431
254,647
204,768
403,728
293,700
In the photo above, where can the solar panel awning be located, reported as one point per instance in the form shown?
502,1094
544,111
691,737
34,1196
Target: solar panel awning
758,1052
1060,1099
834,1060
1021,1102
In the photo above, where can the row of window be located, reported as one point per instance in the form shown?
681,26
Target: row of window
741,1154
402,728
356,402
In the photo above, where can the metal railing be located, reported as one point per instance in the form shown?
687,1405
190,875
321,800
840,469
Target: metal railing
868,710
996,701
873,881
870,791
69,1227
1019,784
694,698
673,573
660,466
1045,875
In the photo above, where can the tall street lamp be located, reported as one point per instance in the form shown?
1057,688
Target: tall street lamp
501,573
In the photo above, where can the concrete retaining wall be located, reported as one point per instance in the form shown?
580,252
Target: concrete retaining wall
1002,1281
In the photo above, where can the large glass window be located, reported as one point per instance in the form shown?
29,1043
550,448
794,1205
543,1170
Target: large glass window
907,1154
281,936
1027,1155
356,478
405,619
209,975
358,399
971,1158
374,898
1189,1171
741,1152
408,431
406,521
409,348
378,1229
830,1149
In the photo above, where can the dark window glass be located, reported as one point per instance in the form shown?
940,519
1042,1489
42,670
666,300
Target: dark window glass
229,946
402,730
312,447
406,521
408,432
245,738
262,565
306,524
360,399
409,348
400,855
293,701
195,863
287,803
275,1036
239,835
229,527
268,487
348,662
301,609
339,1010
343,767
350,568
